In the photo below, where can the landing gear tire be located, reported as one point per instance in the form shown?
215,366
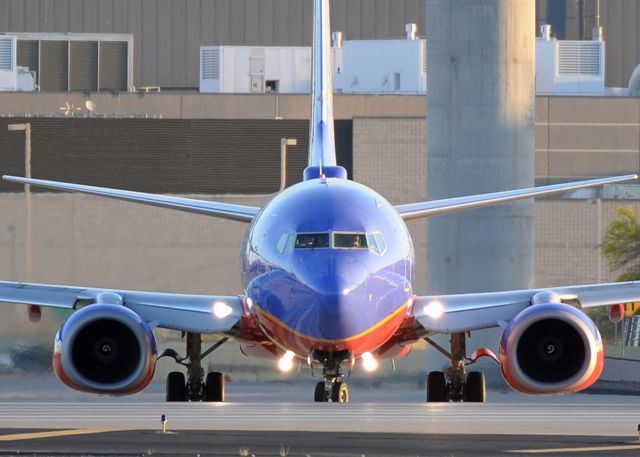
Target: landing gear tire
176,387
437,387
475,389
340,392
319,395
214,387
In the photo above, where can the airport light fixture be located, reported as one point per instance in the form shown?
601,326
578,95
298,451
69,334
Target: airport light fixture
26,128
284,142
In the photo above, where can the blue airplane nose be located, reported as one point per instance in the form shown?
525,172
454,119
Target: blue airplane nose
338,294
333,274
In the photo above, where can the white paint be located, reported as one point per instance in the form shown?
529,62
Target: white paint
566,67
8,69
381,67
248,69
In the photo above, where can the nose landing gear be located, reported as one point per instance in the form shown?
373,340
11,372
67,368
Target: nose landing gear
332,389
455,384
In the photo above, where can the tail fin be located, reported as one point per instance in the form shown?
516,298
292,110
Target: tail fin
322,148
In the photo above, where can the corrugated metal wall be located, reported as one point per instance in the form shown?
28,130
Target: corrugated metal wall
27,55
54,63
73,65
83,57
113,65
168,33
165,156
621,21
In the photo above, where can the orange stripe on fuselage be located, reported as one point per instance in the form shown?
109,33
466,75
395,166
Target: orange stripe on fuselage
364,341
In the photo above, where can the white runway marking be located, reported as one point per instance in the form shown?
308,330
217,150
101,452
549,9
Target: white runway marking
546,419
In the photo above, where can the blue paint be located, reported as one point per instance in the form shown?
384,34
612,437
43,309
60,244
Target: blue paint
328,293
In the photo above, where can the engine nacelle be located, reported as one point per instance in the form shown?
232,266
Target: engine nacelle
105,349
551,349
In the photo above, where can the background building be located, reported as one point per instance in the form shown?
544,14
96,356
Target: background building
167,34
188,143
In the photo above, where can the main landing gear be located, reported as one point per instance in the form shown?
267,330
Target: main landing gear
332,388
455,384
195,387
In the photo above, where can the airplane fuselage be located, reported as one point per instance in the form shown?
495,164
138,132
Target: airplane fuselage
328,265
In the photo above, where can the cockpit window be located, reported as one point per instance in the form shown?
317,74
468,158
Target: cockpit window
312,240
285,243
373,242
350,241
377,243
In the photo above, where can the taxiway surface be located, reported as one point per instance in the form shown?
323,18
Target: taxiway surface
308,429
309,444
450,418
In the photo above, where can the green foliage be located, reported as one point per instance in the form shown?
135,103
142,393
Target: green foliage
621,245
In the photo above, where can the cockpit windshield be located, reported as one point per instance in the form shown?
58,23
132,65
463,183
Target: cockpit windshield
350,241
312,240
373,242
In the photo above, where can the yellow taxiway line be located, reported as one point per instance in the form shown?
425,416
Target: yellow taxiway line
54,433
567,450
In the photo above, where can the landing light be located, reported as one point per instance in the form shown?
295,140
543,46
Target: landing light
368,362
434,310
285,363
221,310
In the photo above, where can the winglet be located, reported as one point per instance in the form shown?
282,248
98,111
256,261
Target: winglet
322,148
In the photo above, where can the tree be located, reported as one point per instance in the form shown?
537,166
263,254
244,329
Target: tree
621,245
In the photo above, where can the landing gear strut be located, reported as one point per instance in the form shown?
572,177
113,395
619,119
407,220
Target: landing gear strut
332,388
195,387
455,384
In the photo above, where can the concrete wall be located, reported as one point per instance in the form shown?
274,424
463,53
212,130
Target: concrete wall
208,106
168,33
580,136
481,121
575,136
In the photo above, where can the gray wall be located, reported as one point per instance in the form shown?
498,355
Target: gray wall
168,33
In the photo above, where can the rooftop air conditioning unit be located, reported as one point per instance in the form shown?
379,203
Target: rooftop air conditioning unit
8,68
566,67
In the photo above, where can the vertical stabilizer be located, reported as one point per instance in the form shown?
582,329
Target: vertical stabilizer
322,148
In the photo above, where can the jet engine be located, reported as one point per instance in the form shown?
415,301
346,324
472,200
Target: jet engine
551,348
105,349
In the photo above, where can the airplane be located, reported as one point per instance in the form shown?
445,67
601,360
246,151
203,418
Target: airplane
327,270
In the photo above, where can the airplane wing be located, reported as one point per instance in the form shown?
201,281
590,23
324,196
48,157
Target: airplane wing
451,205
188,313
466,312
234,212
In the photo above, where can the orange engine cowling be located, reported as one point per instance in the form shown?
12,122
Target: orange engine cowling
551,349
105,349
